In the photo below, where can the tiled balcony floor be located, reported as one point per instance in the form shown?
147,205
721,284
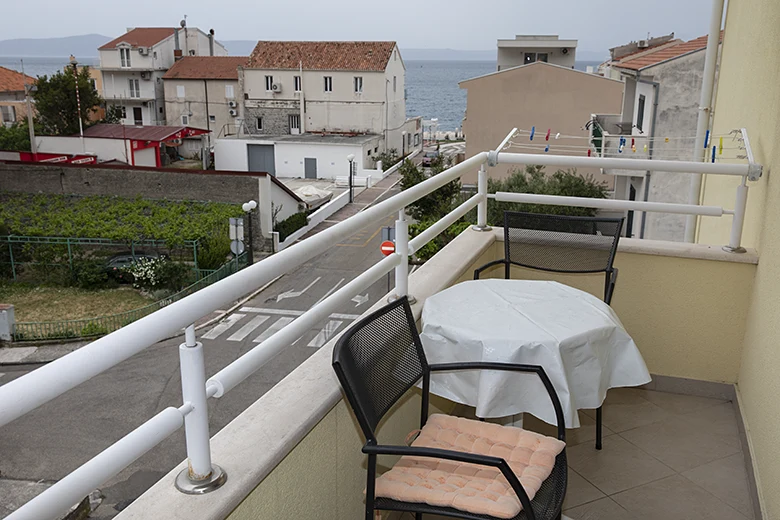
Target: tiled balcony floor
665,457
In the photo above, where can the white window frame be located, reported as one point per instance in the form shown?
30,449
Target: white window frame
358,82
124,57
212,118
185,120
259,124
269,83
124,111
181,92
8,114
328,86
229,92
135,88
294,118
297,83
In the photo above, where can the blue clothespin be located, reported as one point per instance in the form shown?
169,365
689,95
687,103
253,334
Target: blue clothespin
714,149
533,131
547,148
706,139
621,144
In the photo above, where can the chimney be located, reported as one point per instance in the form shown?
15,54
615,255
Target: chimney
211,42
176,48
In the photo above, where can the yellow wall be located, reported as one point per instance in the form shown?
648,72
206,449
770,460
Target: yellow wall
749,95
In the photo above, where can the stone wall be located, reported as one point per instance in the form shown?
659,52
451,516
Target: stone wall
276,121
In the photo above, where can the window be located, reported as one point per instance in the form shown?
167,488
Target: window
180,91
640,113
269,83
213,119
376,149
259,124
542,56
154,55
161,110
295,122
192,52
358,84
408,139
530,57
7,114
185,120
328,83
135,88
93,82
124,57
297,83
417,139
124,112
229,94
395,83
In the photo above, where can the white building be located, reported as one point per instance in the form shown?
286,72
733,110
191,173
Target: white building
525,49
134,64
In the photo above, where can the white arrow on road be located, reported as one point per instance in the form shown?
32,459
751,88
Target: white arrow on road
295,294
360,300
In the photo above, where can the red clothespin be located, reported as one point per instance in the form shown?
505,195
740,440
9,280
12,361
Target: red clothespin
633,143
547,137
588,152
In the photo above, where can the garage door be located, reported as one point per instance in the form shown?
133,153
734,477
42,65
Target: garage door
261,158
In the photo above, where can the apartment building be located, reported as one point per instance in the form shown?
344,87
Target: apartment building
12,101
527,49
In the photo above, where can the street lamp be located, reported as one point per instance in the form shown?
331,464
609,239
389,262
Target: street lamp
351,159
75,65
248,207
403,144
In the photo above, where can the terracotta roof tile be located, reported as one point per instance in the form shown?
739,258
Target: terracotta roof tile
141,37
207,67
674,49
357,56
12,81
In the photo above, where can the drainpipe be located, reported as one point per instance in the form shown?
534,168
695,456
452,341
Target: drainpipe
211,42
656,93
302,101
705,110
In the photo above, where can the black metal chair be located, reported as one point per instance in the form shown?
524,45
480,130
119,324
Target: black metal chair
562,244
377,361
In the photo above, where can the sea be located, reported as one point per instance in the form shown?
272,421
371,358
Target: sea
431,86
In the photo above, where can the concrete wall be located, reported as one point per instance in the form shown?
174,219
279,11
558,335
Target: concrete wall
331,159
748,97
540,95
105,149
194,102
514,57
231,155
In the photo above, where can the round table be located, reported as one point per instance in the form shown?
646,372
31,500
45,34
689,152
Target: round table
576,337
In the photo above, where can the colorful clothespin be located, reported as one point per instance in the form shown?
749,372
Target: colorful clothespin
557,135
589,152
547,137
633,145
533,131
666,140
645,148
720,147
621,144
714,148
547,148
706,139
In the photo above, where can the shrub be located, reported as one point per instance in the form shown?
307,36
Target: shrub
388,158
153,274
93,329
90,274
290,225
213,250
174,276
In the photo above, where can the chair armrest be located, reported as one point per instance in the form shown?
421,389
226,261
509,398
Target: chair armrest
611,288
459,456
487,266
513,367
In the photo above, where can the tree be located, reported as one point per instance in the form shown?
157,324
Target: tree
113,115
55,101
435,205
15,138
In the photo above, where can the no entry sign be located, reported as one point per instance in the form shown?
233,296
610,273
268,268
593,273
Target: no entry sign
387,248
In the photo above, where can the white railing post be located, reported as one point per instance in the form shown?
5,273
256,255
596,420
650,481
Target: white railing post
482,207
739,219
201,476
402,250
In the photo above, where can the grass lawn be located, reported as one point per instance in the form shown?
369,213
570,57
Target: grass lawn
65,303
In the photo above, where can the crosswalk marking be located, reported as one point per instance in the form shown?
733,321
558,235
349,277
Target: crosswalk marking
223,326
325,334
247,329
285,312
273,329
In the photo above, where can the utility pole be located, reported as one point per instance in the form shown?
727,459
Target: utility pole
78,101
30,127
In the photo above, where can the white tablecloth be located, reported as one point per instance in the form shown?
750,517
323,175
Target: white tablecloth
576,337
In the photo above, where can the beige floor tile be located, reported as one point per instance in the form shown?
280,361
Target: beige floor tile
719,420
579,491
674,498
603,509
625,408
619,466
678,403
682,444
726,479
585,433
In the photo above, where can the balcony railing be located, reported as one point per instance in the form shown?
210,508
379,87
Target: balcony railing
26,393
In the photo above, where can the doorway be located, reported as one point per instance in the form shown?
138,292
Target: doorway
310,167
261,158
138,116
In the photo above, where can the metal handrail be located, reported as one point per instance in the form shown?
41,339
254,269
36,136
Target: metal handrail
32,390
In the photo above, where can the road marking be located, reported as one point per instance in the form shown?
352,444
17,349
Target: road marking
222,326
360,300
273,329
247,329
295,294
286,312
364,244
331,291
325,334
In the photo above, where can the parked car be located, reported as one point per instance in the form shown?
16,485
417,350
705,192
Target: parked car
429,157
116,266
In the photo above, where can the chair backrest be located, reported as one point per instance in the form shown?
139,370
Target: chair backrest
377,360
564,244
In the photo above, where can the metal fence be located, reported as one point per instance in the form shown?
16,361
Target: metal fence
98,326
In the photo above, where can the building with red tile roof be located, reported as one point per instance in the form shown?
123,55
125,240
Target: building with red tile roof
207,67
12,101
334,55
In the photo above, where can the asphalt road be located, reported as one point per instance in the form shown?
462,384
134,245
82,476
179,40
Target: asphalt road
58,437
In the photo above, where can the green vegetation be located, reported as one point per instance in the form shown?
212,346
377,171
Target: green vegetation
56,104
113,217
15,138
388,158
290,225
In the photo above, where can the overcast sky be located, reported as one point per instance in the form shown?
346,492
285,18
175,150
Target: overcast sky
455,24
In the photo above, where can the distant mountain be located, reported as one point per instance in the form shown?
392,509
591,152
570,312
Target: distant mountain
80,46
447,55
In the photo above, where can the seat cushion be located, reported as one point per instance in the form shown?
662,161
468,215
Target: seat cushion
469,487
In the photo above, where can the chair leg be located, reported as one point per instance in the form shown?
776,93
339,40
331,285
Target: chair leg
418,516
598,428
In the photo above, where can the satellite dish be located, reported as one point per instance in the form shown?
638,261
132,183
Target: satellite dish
183,23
